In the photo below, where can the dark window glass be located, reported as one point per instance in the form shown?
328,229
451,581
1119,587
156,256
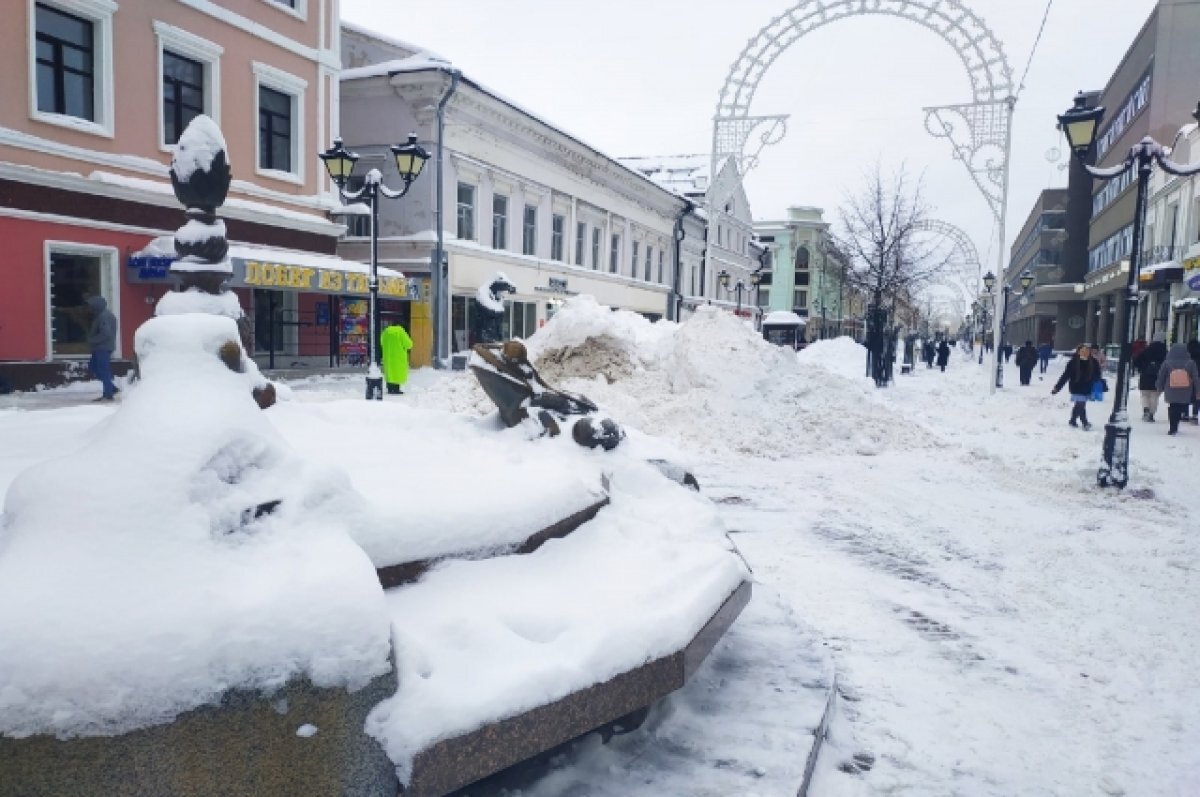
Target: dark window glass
646,270
65,64
614,255
633,261
183,94
581,242
274,130
595,248
557,223
529,231
466,212
499,221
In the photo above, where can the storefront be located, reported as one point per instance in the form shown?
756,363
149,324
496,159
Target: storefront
1185,307
1155,287
540,293
306,310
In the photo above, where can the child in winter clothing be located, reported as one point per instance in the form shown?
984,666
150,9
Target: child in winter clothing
1080,375
1179,382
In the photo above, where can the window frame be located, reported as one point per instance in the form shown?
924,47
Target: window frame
529,230
295,8
500,223
596,235
459,205
188,45
110,258
648,268
267,76
635,250
580,242
558,228
99,13
614,254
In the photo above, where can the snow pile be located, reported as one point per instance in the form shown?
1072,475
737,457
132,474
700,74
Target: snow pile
842,356
713,384
152,570
198,146
197,301
485,640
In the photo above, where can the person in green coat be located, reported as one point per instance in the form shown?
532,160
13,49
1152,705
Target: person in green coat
396,344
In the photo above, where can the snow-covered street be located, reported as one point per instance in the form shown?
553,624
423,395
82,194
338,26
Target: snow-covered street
998,625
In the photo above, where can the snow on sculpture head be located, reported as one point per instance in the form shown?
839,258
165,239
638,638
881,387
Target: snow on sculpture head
489,295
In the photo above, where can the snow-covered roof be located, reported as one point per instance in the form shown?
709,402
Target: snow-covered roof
385,39
782,317
689,175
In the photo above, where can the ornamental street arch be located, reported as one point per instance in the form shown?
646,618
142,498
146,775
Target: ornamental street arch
979,131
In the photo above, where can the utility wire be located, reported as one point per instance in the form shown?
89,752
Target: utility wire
1036,41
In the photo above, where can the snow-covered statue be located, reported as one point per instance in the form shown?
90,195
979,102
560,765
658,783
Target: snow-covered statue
519,392
200,175
489,307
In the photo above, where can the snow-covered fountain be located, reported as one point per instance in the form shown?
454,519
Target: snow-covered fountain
191,605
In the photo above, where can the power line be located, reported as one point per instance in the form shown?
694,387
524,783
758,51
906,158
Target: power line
1036,41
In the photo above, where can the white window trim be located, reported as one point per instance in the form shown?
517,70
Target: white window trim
474,209
299,12
109,261
295,87
191,46
100,14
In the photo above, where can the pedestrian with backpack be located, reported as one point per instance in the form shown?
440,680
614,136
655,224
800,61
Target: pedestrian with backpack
1179,382
1080,376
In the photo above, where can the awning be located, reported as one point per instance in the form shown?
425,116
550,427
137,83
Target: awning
279,269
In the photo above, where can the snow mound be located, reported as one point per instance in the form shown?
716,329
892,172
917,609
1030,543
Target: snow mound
714,384
152,570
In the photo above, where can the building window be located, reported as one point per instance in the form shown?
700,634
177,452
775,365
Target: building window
595,248
557,226
274,130
649,258
529,231
801,300
66,63
614,254
190,69
183,94
76,273
580,241
520,320
466,212
280,132
720,236
499,221
660,267
633,261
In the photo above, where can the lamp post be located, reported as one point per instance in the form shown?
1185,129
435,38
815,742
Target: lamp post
1026,281
1079,124
989,282
724,278
339,162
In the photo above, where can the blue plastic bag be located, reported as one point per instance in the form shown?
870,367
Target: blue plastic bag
1098,388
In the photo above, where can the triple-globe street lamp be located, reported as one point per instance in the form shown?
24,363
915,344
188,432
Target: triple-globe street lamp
1080,124
339,162
724,278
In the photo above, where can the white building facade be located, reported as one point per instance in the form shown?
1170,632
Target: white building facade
1169,278
519,197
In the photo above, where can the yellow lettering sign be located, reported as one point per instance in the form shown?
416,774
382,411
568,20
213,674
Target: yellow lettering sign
356,283
393,286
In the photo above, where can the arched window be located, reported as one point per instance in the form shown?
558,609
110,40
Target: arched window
802,259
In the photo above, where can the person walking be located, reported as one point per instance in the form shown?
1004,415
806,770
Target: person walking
1045,352
102,341
928,352
396,344
943,355
1080,376
1179,382
1147,364
1193,348
1008,352
1027,358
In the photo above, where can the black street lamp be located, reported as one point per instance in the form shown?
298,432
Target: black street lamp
724,278
1026,281
989,282
339,162
1080,124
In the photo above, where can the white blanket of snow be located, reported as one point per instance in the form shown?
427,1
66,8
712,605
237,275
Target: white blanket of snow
436,483
478,641
133,588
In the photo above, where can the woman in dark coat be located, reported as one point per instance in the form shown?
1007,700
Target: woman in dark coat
943,355
1027,358
1146,363
1080,375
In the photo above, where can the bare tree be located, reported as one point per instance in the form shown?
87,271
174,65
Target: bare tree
891,257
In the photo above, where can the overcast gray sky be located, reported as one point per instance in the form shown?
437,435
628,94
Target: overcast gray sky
642,77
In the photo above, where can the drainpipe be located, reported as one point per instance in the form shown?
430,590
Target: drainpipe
438,271
674,305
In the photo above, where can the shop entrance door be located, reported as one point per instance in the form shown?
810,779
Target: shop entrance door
73,276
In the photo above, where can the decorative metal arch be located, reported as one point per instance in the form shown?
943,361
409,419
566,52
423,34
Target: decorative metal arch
978,131
968,268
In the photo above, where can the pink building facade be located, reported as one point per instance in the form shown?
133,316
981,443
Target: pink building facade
97,92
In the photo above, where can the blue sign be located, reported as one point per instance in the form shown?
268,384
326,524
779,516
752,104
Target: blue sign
322,314
151,268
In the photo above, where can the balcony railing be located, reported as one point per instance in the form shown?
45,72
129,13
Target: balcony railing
1162,254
